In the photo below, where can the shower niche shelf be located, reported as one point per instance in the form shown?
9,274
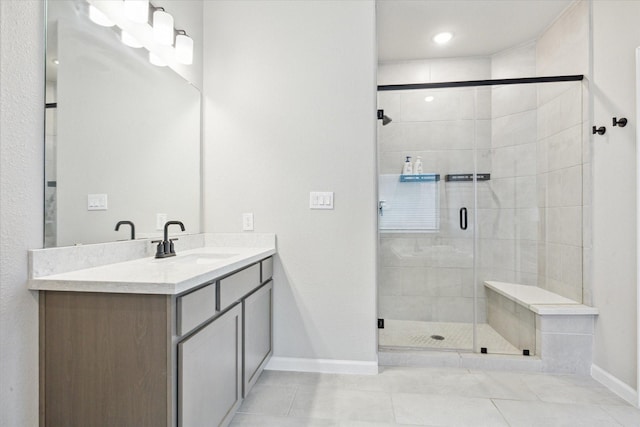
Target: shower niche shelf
425,177
467,177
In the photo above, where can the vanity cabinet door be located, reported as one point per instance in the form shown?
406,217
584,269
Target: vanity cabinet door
258,333
209,372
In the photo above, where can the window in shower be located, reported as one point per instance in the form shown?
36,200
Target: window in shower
408,205
507,207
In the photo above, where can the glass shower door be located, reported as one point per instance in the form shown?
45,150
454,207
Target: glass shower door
427,223
499,202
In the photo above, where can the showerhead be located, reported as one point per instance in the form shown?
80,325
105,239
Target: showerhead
386,120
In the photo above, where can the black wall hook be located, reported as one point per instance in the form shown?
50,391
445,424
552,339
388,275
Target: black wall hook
600,131
622,122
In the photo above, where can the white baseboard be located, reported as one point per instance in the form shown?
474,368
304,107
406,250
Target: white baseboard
615,385
325,366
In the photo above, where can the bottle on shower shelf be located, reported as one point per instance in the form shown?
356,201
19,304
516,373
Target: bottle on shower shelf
417,166
408,168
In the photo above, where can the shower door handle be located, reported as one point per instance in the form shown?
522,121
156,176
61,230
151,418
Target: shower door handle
463,218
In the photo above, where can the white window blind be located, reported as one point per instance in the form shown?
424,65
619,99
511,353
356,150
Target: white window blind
408,206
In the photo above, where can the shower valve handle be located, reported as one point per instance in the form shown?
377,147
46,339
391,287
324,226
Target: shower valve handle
381,205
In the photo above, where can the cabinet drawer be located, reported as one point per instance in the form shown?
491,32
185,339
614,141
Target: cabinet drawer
267,269
196,307
234,287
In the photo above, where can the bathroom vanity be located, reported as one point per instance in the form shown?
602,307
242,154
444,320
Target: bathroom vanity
155,342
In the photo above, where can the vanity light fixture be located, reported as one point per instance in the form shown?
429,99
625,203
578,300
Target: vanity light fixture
129,40
156,60
137,10
443,38
184,48
98,17
162,27
165,44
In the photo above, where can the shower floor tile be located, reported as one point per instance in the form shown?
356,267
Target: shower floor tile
457,336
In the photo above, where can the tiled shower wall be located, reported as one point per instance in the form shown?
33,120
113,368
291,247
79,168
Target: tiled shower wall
509,232
560,189
564,153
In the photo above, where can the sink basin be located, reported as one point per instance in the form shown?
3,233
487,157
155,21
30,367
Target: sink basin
202,259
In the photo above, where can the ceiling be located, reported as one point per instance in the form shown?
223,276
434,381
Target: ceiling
480,27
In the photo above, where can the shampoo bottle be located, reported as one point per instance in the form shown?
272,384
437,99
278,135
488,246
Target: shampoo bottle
417,166
407,169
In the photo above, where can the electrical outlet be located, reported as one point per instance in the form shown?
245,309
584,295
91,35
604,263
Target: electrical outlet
161,219
247,222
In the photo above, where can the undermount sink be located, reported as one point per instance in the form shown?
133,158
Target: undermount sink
202,258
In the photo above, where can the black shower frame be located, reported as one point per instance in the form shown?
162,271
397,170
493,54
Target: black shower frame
494,82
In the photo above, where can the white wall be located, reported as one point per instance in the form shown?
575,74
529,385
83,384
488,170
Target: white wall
290,108
616,35
21,190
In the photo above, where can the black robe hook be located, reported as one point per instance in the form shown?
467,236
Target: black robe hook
600,131
622,122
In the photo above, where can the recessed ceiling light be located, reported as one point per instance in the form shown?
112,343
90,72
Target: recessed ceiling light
442,38
429,99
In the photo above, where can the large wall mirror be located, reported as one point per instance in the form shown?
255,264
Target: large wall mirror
123,136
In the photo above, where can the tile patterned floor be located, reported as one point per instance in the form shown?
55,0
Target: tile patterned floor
417,335
401,396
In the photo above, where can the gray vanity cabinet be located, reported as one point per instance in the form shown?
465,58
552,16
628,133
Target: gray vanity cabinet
141,360
258,308
209,374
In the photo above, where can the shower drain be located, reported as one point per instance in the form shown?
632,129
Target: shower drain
437,337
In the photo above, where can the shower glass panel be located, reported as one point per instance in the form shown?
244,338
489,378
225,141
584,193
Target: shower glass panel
427,221
499,200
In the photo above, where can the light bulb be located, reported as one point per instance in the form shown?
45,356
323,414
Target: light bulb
184,49
156,60
137,10
163,28
98,17
129,40
442,38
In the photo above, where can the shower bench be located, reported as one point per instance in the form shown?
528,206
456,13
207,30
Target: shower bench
556,329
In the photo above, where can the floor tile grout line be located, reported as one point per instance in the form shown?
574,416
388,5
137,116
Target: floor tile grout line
295,394
604,409
393,408
499,411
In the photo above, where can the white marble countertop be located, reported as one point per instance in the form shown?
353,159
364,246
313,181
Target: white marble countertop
173,275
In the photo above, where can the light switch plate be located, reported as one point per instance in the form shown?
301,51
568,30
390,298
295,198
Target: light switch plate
247,222
96,202
321,200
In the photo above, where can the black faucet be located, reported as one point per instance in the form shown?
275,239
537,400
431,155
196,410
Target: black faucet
133,228
165,247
